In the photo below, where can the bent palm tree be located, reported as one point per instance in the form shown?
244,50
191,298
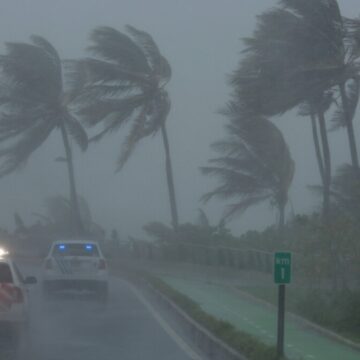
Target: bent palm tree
301,53
33,105
125,82
255,163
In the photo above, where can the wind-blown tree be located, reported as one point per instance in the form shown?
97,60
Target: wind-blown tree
33,104
58,216
124,82
304,52
345,191
339,37
254,166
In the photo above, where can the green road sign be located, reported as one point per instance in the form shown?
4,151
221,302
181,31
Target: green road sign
282,268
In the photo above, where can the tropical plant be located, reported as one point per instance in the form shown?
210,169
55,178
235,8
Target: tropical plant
345,191
125,82
304,53
33,104
255,164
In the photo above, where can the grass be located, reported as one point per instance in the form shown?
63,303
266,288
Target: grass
241,341
336,311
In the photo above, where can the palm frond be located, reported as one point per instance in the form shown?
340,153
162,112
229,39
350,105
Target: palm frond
353,93
137,132
76,131
100,109
31,68
149,48
17,154
114,46
51,51
255,163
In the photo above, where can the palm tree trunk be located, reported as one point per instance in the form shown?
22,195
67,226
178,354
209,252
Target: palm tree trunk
349,127
170,179
79,227
319,157
327,165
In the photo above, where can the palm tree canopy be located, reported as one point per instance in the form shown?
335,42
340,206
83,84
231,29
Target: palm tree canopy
299,50
123,82
255,163
31,101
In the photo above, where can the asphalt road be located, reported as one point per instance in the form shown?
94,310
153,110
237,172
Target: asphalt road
79,328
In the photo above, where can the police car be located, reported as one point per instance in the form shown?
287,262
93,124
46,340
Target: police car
75,265
14,302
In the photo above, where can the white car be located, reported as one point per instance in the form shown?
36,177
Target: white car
75,265
14,302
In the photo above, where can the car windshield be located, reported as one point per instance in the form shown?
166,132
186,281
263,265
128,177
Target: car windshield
82,249
5,273
180,179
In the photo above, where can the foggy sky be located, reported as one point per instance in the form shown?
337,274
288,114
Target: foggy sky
201,40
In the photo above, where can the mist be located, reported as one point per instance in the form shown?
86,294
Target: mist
202,41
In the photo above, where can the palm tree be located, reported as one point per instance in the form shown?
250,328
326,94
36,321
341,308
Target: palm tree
345,191
34,104
339,37
125,82
255,163
301,54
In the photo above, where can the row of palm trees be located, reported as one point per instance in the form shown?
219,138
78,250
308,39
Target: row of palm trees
122,81
302,55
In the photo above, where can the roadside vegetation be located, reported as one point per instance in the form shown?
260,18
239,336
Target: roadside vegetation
246,344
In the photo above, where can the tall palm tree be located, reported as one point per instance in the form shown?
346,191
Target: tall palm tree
124,82
33,105
255,164
302,54
268,80
339,37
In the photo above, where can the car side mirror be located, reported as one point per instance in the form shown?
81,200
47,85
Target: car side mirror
29,280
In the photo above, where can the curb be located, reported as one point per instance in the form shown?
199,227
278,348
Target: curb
213,347
205,341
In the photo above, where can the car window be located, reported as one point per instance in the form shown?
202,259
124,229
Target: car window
5,273
75,250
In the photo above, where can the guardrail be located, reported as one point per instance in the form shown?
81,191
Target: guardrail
231,257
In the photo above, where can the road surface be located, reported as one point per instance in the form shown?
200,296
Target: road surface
79,328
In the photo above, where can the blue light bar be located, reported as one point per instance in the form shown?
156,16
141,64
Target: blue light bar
61,247
88,247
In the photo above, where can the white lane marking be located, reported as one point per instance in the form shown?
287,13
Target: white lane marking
178,340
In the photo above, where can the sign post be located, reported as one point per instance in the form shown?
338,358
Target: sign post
282,276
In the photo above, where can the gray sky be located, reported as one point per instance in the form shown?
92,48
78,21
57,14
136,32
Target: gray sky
201,39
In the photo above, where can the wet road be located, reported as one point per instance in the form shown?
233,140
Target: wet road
82,329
